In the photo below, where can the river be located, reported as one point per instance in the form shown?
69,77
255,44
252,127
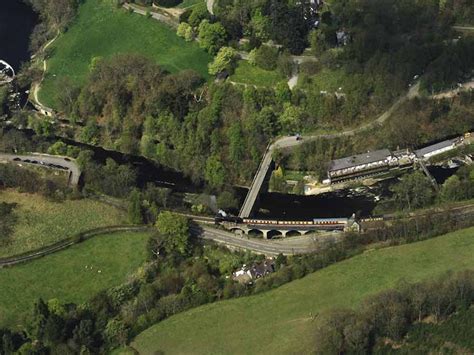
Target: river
17,21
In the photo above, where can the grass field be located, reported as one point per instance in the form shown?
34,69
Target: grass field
42,222
64,275
279,322
246,73
326,80
101,30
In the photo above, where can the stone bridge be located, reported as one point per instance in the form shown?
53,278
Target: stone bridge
273,228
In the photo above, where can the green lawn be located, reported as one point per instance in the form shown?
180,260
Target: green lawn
42,222
279,322
102,30
329,80
64,275
246,73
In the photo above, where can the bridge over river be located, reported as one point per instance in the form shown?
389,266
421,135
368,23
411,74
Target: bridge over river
7,73
292,141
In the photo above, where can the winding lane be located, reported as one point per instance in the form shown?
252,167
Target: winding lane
291,142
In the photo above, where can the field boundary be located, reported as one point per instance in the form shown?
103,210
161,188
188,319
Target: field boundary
66,243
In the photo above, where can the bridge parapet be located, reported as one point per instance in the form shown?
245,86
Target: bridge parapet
284,227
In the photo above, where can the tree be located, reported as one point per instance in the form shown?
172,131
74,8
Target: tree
215,172
212,36
116,333
266,57
174,230
53,329
227,201
330,332
198,14
285,64
224,60
291,119
413,191
452,189
277,180
40,316
185,31
260,25
135,209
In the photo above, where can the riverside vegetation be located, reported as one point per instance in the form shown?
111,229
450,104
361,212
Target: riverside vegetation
215,133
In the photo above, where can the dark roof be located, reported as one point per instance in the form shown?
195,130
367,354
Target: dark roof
222,75
432,148
262,269
359,159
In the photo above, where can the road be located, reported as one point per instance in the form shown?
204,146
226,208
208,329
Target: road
210,6
37,85
45,160
464,28
290,142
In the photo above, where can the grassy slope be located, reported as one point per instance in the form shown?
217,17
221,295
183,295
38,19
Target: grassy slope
326,80
279,321
42,222
63,275
101,31
245,73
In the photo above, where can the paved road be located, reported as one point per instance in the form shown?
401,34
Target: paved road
45,160
290,142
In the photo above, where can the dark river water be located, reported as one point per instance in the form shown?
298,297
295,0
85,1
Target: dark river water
17,21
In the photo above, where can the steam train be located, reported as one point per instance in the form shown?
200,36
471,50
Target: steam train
323,223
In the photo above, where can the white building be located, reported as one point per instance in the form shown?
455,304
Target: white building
438,148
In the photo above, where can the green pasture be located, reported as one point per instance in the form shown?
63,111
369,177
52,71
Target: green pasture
103,30
41,222
72,275
249,74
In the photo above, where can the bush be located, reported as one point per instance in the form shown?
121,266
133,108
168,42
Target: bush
224,60
185,31
266,57
198,14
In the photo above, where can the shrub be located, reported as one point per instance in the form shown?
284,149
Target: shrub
224,60
185,31
266,57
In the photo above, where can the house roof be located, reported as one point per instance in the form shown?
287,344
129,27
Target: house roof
355,160
432,148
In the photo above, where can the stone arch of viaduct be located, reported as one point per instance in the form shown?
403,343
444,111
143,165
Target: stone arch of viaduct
267,232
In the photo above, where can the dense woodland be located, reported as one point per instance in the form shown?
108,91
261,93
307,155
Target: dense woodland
182,273
384,319
217,132
415,123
